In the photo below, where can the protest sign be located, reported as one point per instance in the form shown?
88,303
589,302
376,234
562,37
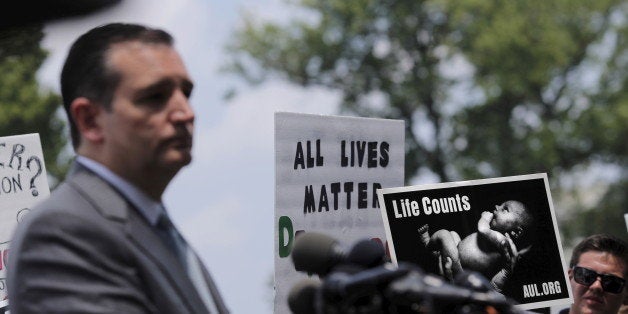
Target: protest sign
328,170
23,183
471,223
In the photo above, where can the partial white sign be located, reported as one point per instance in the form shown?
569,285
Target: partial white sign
328,170
23,183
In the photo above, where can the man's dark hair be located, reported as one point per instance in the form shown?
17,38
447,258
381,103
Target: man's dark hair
85,72
601,243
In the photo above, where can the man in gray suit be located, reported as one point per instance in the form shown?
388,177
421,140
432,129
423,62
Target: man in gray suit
103,242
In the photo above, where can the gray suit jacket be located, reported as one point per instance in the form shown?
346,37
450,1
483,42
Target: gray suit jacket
87,250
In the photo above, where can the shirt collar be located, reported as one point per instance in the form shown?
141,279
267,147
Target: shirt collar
148,208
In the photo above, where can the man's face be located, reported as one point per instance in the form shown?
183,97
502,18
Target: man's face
507,216
593,299
149,127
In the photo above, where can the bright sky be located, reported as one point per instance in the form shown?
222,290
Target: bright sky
224,202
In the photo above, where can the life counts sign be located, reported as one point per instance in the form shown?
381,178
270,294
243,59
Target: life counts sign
471,222
23,183
328,170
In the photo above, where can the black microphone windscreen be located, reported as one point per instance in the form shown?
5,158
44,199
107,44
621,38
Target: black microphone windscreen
367,253
316,253
302,296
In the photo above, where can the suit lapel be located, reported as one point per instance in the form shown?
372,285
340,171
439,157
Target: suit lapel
105,198
115,207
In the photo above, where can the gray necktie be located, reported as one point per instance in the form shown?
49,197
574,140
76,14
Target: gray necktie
188,259
171,236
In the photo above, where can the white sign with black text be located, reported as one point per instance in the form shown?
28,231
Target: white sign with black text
23,183
328,170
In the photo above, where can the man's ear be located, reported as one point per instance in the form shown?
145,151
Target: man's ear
86,116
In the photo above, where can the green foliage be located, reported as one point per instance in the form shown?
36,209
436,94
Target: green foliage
25,107
527,57
487,88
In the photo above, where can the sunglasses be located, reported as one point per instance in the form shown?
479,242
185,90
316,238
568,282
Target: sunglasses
587,277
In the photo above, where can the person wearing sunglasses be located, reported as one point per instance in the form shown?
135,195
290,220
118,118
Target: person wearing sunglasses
597,273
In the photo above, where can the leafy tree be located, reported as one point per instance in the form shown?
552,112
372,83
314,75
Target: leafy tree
553,76
25,107
487,88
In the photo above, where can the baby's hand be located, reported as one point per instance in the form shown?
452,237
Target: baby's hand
484,226
487,215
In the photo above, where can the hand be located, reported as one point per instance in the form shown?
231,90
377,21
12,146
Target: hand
510,253
487,215
445,268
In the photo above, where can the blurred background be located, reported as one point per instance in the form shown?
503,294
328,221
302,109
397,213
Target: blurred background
487,89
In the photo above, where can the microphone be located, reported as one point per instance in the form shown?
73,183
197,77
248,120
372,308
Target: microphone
417,286
367,253
316,253
320,254
302,297
406,285
339,285
362,281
